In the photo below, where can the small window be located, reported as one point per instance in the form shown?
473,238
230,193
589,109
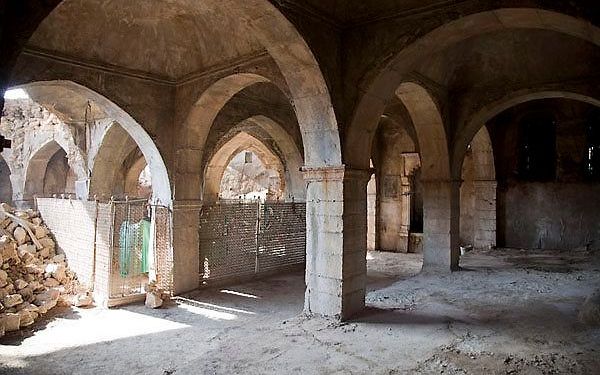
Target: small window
537,148
592,157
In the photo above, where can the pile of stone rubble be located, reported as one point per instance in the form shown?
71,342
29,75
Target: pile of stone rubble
33,277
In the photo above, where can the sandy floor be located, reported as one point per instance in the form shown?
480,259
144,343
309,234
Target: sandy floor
508,312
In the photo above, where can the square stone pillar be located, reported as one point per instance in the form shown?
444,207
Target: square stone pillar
484,217
441,225
336,224
186,245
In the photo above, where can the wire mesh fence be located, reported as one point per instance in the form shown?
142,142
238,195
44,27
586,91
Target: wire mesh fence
163,248
117,247
239,239
129,256
141,250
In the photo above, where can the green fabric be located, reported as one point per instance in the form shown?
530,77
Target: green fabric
125,242
134,242
145,224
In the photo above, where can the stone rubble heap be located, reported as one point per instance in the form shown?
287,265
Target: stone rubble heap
33,277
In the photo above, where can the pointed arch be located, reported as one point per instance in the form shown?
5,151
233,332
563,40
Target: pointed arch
221,159
37,168
160,177
386,78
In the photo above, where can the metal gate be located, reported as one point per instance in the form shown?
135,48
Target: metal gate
141,248
240,239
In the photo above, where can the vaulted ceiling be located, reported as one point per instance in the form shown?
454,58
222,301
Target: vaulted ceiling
169,38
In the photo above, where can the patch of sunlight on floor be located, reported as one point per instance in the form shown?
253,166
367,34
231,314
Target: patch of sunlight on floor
207,313
235,293
369,256
186,303
92,327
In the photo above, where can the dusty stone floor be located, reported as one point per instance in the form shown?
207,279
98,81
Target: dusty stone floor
508,312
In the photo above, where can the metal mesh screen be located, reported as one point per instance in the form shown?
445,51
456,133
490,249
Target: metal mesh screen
282,235
129,251
163,248
242,239
228,240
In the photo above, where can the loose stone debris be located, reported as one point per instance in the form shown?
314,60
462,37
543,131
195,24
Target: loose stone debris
33,277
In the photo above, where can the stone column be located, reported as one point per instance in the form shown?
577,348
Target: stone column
186,248
405,192
484,217
336,224
186,216
441,220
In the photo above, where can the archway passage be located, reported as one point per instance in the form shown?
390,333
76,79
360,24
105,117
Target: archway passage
48,172
393,205
440,192
248,177
253,205
244,165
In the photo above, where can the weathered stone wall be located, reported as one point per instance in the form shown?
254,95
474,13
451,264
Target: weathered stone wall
31,127
562,213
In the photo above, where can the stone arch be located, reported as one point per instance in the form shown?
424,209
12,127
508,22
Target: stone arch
6,190
221,159
203,113
309,92
260,22
440,194
488,111
287,159
37,168
429,127
160,179
380,86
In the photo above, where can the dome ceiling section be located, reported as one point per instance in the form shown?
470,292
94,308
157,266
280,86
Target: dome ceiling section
170,39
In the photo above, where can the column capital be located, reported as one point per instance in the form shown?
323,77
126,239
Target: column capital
335,173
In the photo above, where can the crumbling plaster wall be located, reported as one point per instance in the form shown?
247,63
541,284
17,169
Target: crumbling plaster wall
558,214
30,127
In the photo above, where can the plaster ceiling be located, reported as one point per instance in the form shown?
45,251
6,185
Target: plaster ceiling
168,38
